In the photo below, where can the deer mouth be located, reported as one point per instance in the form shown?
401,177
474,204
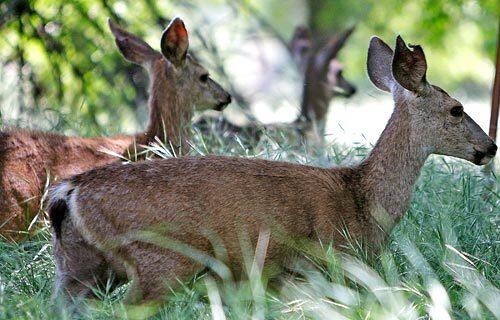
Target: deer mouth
222,105
482,158
344,93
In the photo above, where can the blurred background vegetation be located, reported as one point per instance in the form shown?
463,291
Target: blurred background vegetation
60,69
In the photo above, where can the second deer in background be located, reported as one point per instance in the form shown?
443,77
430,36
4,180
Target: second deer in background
322,80
28,159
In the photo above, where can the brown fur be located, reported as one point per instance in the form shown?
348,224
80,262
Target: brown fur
210,204
179,84
29,159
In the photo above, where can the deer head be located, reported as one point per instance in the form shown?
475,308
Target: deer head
173,69
437,121
322,72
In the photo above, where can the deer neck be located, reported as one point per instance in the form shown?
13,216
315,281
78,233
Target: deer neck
315,104
388,175
170,115
315,95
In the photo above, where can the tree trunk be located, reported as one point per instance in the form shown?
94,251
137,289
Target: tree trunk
495,101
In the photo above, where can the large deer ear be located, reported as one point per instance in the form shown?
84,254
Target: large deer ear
175,42
409,66
332,48
300,46
379,64
131,46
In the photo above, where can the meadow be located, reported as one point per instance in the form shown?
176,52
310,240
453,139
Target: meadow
60,71
441,262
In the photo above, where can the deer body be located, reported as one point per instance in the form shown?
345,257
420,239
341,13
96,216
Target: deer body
29,159
121,213
297,199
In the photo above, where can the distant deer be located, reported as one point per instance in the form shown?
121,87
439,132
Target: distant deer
178,84
323,79
107,216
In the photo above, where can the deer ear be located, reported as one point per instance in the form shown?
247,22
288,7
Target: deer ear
409,66
379,64
332,48
133,48
300,46
175,42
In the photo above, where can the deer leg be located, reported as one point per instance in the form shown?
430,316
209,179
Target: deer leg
80,268
154,271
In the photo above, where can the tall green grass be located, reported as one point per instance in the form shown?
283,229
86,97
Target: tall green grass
441,261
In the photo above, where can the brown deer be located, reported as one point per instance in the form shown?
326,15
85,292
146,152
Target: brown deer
135,221
323,79
178,84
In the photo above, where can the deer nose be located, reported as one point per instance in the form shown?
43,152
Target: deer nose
223,104
492,150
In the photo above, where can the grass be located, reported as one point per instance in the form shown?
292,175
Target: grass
441,262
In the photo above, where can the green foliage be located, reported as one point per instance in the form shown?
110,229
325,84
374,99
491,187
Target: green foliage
431,20
459,37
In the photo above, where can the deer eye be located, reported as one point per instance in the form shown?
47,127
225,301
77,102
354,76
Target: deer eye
457,111
204,77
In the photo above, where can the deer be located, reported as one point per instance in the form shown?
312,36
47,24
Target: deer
28,159
133,222
323,79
